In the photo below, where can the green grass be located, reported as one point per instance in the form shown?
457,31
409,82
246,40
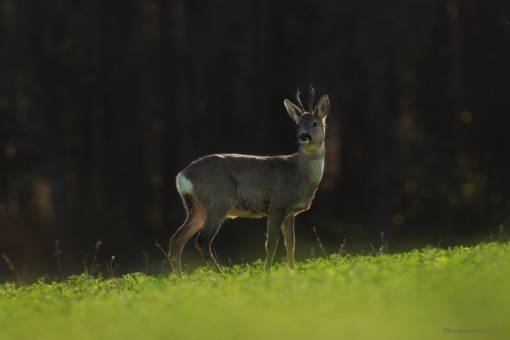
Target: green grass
415,295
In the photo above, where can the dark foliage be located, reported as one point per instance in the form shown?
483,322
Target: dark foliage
103,102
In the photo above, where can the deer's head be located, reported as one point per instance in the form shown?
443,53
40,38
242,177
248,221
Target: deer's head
311,124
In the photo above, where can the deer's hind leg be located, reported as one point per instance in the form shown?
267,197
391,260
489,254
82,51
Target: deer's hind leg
194,221
216,215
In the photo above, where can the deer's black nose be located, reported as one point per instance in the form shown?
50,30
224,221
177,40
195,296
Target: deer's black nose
305,136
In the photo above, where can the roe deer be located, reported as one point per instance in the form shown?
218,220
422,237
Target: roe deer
229,185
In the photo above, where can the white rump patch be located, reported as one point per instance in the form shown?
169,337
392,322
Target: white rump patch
184,186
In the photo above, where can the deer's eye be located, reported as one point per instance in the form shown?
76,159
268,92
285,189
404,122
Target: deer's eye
298,126
314,124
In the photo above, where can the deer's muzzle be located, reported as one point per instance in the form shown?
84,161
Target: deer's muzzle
304,138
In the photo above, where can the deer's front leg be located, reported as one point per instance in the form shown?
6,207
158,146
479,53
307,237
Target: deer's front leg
289,238
274,221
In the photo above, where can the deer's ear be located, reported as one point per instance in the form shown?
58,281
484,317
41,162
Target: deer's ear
322,108
293,110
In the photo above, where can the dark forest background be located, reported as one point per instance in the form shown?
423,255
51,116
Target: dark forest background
103,102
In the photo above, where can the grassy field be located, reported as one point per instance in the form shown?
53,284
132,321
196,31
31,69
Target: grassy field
423,294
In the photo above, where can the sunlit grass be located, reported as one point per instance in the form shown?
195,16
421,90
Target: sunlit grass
419,294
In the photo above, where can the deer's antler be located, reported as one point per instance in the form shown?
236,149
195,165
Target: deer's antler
301,107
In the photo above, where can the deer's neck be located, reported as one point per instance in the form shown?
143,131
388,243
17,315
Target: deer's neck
312,162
